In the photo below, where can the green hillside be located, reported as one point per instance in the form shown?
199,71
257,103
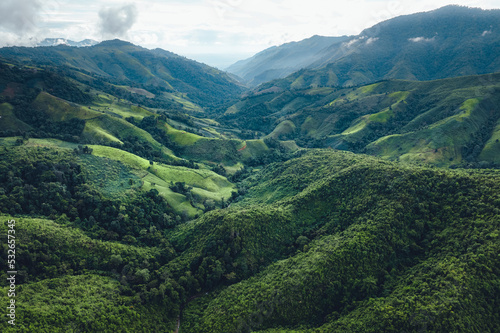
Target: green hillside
140,192
71,284
280,61
358,245
150,77
442,122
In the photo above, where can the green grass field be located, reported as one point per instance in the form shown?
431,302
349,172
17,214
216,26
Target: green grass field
60,110
205,183
111,104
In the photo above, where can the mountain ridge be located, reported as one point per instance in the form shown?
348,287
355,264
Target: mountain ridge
462,40
169,77
279,61
146,194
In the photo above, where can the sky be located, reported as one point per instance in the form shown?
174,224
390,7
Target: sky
216,32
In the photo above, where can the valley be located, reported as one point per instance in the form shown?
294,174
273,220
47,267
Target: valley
345,191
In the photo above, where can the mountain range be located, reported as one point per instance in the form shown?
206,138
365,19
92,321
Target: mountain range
280,61
459,40
357,191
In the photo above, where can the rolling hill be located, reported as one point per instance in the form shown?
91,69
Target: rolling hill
442,122
145,196
332,241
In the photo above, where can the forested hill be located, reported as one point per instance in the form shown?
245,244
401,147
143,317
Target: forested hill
447,42
325,242
165,77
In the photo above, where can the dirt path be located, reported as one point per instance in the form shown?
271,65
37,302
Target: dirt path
243,148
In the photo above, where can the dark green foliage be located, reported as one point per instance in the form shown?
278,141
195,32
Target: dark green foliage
151,125
312,241
448,122
364,231
86,303
21,86
180,187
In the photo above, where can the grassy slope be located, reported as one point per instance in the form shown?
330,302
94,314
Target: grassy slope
207,184
112,169
9,121
433,121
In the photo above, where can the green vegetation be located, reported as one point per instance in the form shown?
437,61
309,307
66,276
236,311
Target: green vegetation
68,281
153,78
444,122
422,46
286,256
368,246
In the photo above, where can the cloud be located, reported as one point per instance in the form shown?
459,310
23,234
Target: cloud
20,17
353,41
421,39
486,32
116,21
371,40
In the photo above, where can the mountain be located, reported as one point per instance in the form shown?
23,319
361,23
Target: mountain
280,61
64,41
443,122
459,40
155,77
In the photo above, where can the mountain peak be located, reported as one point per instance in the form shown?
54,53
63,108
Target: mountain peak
115,43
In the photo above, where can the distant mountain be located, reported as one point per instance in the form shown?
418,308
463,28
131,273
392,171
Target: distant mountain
68,42
166,79
280,61
447,42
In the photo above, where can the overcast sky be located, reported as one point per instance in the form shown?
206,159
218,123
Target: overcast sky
217,32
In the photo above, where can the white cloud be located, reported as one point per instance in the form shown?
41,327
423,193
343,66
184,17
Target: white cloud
354,41
421,39
19,17
486,32
204,26
116,21
371,40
